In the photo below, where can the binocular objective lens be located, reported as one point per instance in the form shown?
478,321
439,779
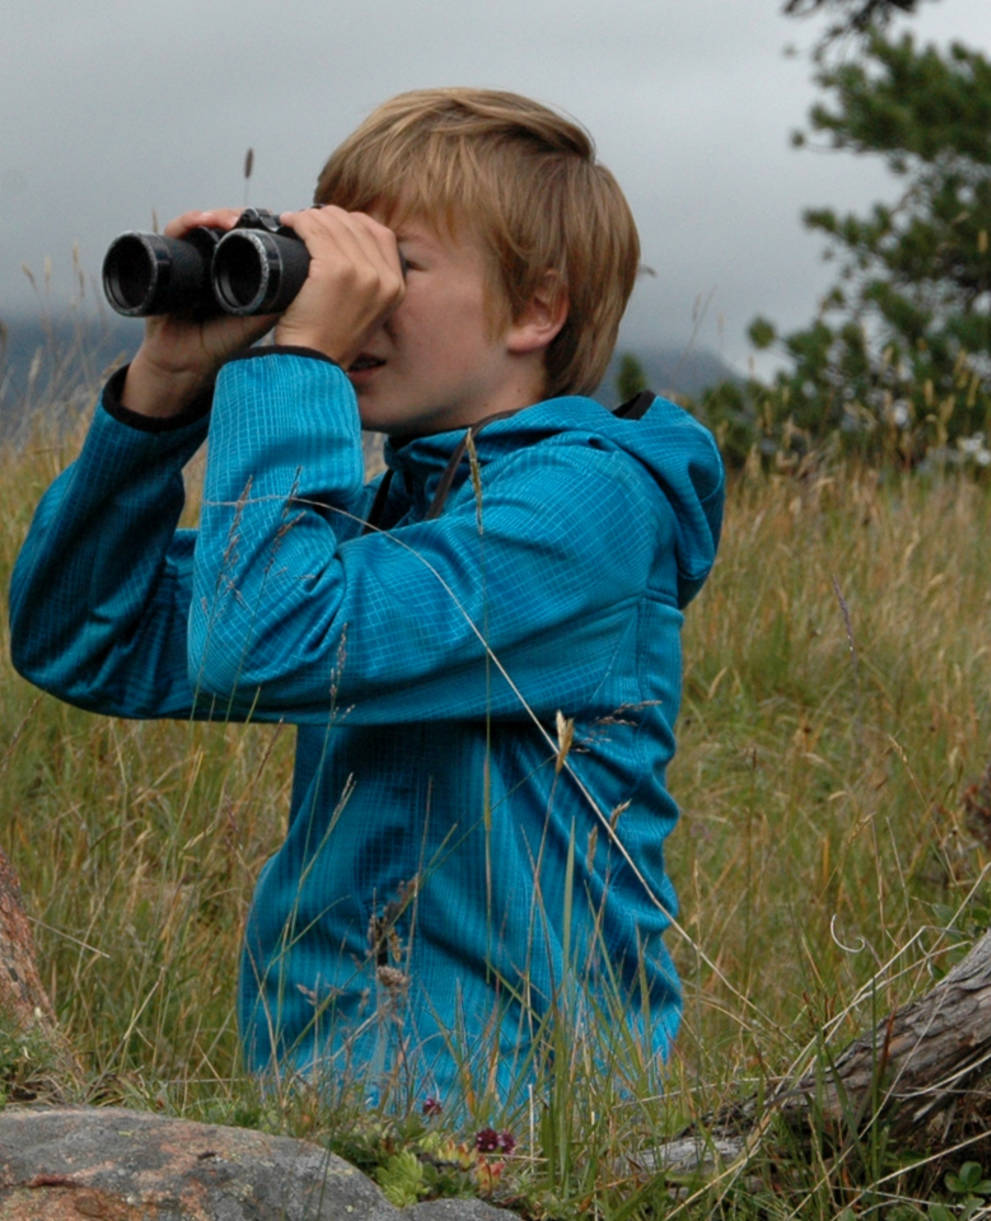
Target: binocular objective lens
241,272
130,274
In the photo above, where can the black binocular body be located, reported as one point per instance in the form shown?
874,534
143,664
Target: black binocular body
257,267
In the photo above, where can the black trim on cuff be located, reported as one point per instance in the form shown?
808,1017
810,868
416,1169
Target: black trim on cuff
112,404
284,349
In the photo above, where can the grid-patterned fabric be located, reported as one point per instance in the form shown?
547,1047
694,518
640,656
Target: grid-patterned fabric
446,885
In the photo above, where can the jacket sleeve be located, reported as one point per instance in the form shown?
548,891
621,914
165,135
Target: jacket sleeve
100,593
518,596
99,598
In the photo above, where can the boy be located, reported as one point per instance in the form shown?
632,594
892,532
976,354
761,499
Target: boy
480,649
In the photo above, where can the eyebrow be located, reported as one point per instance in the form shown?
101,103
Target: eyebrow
406,234
418,239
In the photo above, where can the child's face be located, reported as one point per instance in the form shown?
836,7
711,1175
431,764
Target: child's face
439,361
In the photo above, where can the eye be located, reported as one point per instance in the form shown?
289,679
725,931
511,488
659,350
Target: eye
409,257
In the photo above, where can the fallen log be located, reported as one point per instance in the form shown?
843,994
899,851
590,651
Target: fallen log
923,1061
924,1071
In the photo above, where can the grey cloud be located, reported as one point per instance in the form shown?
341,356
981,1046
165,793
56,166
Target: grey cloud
114,110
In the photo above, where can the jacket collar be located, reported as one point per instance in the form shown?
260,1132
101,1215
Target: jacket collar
429,467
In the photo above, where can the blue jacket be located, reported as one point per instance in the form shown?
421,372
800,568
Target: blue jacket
485,702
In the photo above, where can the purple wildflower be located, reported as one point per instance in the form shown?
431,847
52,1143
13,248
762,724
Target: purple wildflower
487,1141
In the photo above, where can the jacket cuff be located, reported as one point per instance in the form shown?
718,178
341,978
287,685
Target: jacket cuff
113,404
281,349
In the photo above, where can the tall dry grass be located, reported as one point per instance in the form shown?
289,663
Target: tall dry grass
836,708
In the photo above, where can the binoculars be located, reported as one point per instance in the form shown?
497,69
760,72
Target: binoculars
257,267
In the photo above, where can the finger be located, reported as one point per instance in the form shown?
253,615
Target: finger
352,235
350,253
377,239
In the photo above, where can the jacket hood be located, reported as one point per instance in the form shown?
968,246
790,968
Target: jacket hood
679,453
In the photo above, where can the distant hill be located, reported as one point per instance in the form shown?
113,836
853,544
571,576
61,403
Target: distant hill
669,370
48,361
64,359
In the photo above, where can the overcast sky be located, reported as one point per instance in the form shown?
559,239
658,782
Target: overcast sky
118,110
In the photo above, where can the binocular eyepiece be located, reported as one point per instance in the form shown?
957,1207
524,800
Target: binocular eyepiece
257,267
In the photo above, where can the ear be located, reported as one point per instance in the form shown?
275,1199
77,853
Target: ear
541,318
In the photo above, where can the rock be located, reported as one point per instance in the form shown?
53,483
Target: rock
68,1163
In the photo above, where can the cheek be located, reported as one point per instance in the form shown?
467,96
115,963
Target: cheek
450,331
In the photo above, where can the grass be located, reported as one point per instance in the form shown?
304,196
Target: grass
836,708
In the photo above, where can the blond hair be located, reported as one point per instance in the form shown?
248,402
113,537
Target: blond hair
525,181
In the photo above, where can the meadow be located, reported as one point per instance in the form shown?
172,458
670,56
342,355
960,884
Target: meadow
832,861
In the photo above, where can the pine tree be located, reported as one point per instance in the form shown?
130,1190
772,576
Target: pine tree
631,377
901,346
853,16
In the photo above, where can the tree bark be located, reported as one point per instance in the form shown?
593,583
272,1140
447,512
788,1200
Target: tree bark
921,1061
926,1066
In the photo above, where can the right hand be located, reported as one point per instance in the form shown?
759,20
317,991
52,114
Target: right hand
179,357
355,282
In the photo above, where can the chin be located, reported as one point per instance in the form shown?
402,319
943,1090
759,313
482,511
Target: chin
373,421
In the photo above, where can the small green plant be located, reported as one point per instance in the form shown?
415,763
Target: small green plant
970,1186
31,1067
413,1157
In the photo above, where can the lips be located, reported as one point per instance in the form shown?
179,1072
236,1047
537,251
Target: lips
363,362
